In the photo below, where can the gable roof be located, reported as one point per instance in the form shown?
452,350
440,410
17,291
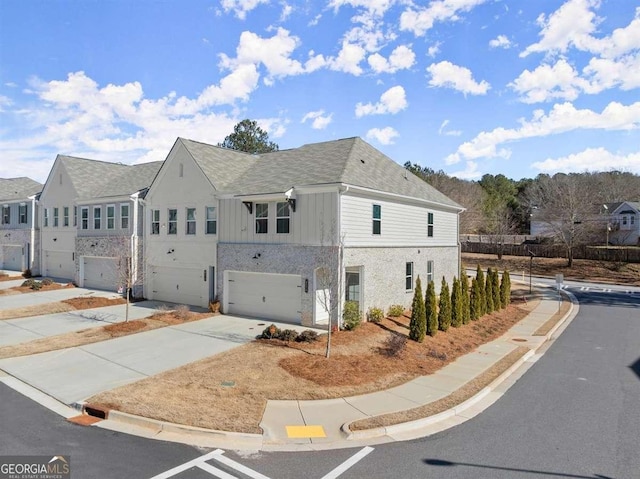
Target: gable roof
351,161
616,206
18,188
133,179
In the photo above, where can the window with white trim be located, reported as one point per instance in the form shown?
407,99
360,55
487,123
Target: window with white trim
283,216
111,217
262,218
65,216
55,217
172,223
84,218
124,216
429,272
155,222
212,220
430,225
632,220
22,214
408,277
191,221
377,219
46,217
6,215
75,216
97,217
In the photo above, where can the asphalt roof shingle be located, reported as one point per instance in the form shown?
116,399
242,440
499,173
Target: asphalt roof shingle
18,188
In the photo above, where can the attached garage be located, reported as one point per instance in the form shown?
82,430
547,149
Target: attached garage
178,285
270,296
99,273
12,258
59,264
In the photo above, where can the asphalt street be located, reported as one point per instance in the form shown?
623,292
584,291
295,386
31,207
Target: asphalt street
574,414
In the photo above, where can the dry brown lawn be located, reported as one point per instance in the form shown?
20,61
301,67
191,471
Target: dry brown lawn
6,277
582,269
73,304
229,391
100,333
27,289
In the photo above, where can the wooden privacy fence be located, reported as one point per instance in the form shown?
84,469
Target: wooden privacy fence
602,253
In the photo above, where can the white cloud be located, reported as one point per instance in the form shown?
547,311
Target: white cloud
4,102
469,173
392,101
442,131
591,159
401,58
433,50
287,10
605,73
373,7
447,75
349,59
241,7
320,120
562,118
420,20
384,136
501,41
315,20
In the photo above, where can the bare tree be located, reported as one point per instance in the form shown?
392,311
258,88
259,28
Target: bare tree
500,224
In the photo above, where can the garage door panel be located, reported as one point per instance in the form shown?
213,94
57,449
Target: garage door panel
268,296
12,257
178,285
60,264
101,273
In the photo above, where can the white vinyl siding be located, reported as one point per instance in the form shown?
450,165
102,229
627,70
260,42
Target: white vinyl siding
404,224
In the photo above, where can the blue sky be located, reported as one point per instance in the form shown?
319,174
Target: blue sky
466,86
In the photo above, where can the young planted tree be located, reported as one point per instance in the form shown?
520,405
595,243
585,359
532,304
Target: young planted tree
464,287
444,310
488,293
505,289
418,323
481,296
474,301
456,304
431,308
495,289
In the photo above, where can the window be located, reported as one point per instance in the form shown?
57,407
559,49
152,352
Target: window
84,218
377,219
283,215
262,218
97,217
632,220
124,216
46,217
212,220
55,217
6,215
430,225
173,222
111,217
429,272
408,281
624,221
65,216
155,222
191,221
75,216
22,214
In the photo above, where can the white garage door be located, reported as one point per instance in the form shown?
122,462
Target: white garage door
12,257
268,296
100,273
60,264
178,285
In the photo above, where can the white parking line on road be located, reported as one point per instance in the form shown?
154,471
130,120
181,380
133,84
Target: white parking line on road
237,466
348,463
205,466
187,465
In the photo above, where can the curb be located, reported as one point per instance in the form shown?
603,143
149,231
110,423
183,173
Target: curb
417,424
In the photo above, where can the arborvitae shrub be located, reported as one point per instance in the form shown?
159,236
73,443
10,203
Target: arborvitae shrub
474,301
481,293
495,289
431,308
444,310
418,323
456,304
505,289
464,287
488,292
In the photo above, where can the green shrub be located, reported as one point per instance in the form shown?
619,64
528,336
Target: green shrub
307,336
466,305
375,315
47,282
431,309
488,293
395,310
28,283
444,309
271,332
418,323
351,316
505,289
474,301
495,288
456,304
37,285
482,300
288,335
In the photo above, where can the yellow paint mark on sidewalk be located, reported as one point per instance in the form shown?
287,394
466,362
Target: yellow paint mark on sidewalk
305,431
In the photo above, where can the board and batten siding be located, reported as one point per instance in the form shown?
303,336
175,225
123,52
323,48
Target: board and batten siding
314,218
401,224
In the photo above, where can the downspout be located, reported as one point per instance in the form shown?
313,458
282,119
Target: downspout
459,246
32,247
341,272
134,240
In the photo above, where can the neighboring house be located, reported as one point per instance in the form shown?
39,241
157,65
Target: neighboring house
270,235
19,238
88,210
624,223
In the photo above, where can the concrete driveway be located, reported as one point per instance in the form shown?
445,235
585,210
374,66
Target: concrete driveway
20,330
44,297
74,374
11,283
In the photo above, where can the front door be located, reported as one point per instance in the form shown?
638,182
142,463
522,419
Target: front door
352,286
